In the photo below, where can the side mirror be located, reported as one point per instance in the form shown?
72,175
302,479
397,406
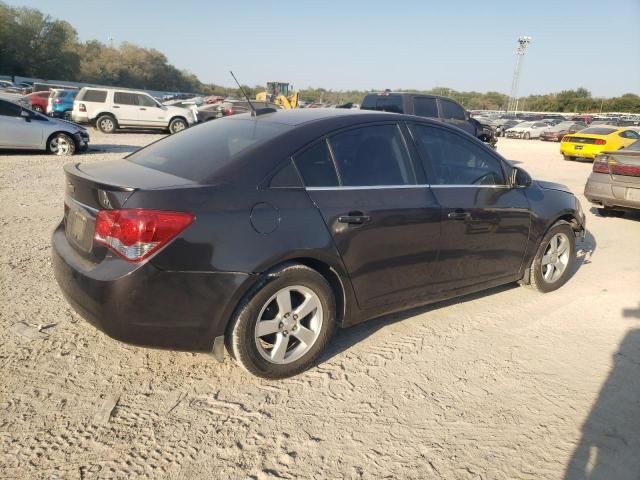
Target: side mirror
467,116
520,178
26,115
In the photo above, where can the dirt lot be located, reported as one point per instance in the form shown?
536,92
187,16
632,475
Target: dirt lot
509,384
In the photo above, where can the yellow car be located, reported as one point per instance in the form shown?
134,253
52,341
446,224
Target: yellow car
591,141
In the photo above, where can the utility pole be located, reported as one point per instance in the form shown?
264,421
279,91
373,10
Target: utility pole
523,43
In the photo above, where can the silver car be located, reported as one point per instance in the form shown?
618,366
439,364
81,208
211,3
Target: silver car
614,183
24,129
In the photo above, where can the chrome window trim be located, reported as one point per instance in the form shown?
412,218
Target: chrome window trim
389,187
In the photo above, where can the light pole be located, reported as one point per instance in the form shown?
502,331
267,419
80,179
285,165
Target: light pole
523,43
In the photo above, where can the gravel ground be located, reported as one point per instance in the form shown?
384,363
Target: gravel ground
508,384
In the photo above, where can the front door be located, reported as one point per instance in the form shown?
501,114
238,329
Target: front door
17,131
485,222
125,107
454,114
149,114
384,224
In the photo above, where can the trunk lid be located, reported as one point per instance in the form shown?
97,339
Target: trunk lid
104,186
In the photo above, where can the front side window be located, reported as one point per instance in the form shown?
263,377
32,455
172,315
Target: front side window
629,134
425,107
451,110
451,159
383,102
316,167
145,101
372,156
124,98
9,109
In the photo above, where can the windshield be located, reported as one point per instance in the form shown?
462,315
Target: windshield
524,124
198,153
599,131
563,126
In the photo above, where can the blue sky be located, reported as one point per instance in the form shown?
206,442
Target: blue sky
465,45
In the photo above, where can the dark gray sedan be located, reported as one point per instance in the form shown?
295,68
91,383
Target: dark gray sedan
614,183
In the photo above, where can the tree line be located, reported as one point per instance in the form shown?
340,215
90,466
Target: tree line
36,45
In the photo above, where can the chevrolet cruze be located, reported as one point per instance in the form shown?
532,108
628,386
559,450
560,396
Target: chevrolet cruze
264,233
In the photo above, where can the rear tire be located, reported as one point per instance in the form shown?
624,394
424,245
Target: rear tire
61,145
526,136
552,265
107,124
295,307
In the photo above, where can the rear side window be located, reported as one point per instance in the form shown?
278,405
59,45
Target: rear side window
425,107
450,159
97,96
316,167
451,110
124,98
199,153
385,103
372,156
629,134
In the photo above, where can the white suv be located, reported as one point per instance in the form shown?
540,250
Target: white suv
110,109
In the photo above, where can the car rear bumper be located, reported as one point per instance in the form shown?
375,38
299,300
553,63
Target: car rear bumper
587,151
79,117
143,305
601,190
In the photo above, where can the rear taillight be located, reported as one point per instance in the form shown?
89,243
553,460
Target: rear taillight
82,107
135,234
601,164
624,169
228,111
57,100
600,141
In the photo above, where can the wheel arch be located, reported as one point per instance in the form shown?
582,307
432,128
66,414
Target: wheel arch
57,132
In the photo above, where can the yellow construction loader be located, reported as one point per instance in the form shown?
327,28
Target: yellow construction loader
279,93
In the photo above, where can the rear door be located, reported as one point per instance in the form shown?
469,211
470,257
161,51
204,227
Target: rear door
385,222
125,108
424,106
485,223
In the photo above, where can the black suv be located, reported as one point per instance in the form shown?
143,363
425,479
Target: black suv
430,106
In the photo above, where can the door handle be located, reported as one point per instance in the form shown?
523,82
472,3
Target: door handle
354,218
116,106
143,109
458,215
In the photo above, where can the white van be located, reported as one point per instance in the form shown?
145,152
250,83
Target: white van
110,109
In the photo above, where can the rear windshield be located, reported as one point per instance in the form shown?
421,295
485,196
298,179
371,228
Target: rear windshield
599,131
634,146
198,153
385,103
62,93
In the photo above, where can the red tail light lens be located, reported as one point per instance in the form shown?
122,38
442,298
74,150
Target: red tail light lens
57,100
135,234
82,107
601,165
600,141
228,111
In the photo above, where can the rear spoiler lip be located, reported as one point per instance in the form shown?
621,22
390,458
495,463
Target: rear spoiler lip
72,170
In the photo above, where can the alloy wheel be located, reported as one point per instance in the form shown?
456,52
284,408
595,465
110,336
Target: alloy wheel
106,125
288,324
555,258
59,145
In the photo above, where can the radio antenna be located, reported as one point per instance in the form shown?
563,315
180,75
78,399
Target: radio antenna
253,110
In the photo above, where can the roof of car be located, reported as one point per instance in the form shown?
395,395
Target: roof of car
305,115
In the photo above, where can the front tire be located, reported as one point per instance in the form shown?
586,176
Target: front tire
283,326
526,136
552,265
177,125
61,145
106,124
